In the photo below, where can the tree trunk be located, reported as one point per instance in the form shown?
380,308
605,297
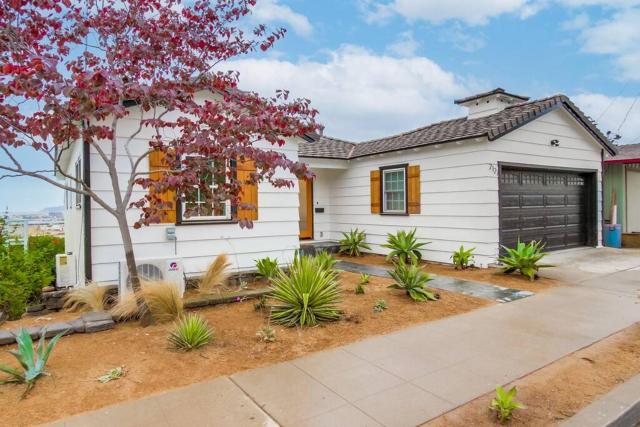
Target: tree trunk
132,267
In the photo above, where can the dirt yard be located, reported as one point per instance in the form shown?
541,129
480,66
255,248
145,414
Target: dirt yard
152,367
492,276
561,389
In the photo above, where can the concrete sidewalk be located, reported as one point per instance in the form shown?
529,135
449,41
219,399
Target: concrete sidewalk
403,378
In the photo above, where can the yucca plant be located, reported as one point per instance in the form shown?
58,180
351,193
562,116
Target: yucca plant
411,279
404,246
325,260
306,295
267,267
364,278
525,258
352,243
380,306
505,403
359,290
462,258
32,360
191,331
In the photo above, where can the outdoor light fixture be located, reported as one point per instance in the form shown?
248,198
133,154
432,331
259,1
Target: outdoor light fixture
555,143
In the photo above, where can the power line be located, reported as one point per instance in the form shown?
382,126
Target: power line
626,116
612,102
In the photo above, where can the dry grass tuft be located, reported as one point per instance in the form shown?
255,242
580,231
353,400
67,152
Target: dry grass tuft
88,298
161,297
217,274
126,308
163,300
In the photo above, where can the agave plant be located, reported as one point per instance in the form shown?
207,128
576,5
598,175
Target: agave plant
404,246
352,243
364,278
32,360
525,258
191,331
306,295
267,267
411,279
462,258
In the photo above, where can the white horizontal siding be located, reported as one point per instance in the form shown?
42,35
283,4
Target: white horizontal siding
459,187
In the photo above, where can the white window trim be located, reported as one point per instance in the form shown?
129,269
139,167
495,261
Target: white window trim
202,218
404,191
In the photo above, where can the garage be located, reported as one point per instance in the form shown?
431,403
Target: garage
555,206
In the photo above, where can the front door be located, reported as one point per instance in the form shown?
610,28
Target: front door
306,208
633,201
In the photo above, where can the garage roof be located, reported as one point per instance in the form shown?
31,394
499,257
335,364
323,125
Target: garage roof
492,126
629,153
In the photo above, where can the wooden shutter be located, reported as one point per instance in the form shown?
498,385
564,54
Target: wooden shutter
375,191
157,166
249,194
413,189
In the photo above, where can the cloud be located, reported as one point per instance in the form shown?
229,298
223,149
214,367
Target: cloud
618,36
462,40
605,3
271,11
610,112
578,22
360,94
405,45
471,12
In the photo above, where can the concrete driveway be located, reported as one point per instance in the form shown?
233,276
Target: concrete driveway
616,270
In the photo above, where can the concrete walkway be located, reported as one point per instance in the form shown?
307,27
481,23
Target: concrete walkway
413,375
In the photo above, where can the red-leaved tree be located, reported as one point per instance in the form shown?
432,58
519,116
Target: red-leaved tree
72,70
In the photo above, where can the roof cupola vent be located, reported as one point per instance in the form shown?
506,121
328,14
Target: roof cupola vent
487,103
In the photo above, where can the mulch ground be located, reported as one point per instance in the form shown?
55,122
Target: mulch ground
153,367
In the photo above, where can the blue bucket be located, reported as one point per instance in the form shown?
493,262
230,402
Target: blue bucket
613,235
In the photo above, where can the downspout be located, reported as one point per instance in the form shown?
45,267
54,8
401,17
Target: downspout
86,211
601,242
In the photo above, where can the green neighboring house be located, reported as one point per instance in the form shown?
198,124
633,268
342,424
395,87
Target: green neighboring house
622,189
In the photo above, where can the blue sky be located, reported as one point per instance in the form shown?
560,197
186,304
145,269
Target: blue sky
377,67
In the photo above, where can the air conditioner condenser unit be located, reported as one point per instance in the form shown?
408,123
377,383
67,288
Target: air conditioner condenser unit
156,269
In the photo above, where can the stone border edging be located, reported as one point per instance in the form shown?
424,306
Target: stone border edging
618,408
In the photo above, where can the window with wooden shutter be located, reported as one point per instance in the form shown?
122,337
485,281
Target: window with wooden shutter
413,189
249,194
375,191
157,166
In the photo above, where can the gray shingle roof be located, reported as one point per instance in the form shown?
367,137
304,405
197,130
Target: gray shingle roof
493,127
495,91
629,153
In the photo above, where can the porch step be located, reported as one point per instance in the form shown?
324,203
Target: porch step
312,248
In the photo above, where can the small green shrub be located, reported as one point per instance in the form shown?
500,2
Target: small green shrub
267,267
46,248
462,258
352,243
112,374
380,306
261,303
404,246
364,278
191,331
411,279
359,290
306,295
525,258
266,334
505,403
32,360
325,260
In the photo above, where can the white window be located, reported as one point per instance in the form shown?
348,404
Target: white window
394,196
195,207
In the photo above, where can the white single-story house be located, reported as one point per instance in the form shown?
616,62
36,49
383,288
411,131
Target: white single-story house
512,168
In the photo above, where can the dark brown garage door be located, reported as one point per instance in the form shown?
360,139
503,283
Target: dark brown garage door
552,206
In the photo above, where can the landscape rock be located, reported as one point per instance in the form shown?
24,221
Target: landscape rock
35,308
34,332
54,295
78,326
100,325
54,329
6,337
48,289
96,316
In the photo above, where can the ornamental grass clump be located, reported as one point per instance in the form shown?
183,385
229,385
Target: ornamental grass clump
267,267
32,360
463,258
352,243
190,332
162,301
404,246
86,298
525,258
411,279
307,295
217,274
